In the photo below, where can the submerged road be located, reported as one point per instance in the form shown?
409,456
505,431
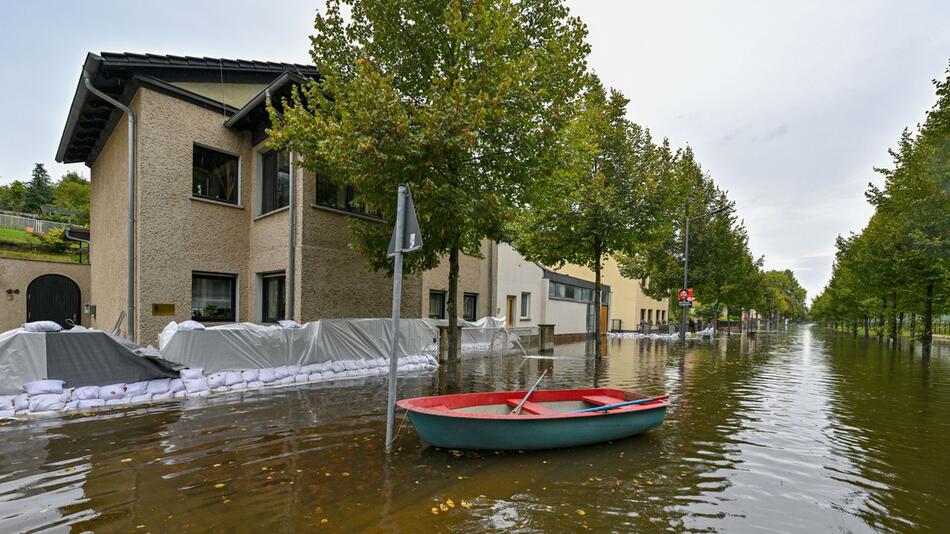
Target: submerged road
799,431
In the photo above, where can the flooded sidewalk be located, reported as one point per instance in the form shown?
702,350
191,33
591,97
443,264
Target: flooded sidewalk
784,432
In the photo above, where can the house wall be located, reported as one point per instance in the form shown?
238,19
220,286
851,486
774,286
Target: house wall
627,296
568,316
515,276
474,277
17,274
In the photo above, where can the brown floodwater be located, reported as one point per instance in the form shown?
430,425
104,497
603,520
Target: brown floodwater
792,432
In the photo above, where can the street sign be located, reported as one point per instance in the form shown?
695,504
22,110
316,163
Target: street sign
411,237
685,297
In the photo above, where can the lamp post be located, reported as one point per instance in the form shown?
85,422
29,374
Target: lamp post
684,305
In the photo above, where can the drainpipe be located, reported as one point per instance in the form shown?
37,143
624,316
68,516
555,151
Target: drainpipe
130,305
291,248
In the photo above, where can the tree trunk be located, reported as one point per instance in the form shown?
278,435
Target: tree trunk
880,324
892,317
928,333
740,320
854,328
597,333
452,300
900,324
867,325
913,325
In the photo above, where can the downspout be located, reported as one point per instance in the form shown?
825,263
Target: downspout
291,238
130,304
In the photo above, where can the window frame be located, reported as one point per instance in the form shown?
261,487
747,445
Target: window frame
208,198
442,313
349,194
234,296
474,297
260,181
525,308
264,301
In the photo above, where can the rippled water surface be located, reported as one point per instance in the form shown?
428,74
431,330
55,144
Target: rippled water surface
792,432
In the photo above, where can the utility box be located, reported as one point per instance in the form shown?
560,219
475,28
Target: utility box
546,337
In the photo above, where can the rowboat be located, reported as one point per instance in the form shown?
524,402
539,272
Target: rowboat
548,419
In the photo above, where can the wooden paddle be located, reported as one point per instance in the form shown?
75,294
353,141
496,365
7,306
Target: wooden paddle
620,404
517,409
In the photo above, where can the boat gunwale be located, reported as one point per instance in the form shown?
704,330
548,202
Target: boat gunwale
441,410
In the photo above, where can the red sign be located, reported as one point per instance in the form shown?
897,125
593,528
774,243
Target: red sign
689,293
683,295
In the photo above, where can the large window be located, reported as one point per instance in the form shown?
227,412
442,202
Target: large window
275,181
214,175
333,195
436,304
213,297
525,305
469,306
273,295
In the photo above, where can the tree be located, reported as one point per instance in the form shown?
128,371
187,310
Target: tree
39,191
604,199
13,196
462,100
72,193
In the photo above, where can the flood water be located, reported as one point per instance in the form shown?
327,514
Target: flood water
799,431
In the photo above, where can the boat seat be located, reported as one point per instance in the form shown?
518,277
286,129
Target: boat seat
530,407
602,400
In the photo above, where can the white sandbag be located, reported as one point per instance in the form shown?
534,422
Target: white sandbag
282,372
88,404
255,384
382,362
237,386
196,386
117,402
42,326
84,393
351,372
216,380
7,414
161,397
181,394
302,378
112,392
324,367
48,402
158,387
6,402
41,387
286,380
140,399
309,369
293,369
315,376
71,406
191,325
349,365
250,375
267,376
192,374
360,364
136,388
337,367
287,323
233,377
199,394
220,389
176,385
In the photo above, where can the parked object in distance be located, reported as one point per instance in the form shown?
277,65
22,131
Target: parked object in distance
550,419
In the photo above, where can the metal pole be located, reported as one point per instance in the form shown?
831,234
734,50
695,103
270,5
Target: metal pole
397,298
291,276
682,305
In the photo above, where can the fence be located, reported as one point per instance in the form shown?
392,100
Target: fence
21,222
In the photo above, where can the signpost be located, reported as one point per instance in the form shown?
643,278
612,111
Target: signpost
406,238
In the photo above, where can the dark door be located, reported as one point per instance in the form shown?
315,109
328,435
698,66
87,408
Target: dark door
52,297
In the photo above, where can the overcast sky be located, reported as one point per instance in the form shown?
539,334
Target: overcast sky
788,105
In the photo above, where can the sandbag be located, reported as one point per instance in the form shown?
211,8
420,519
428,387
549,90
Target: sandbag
286,380
6,402
282,372
301,378
88,404
140,399
71,406
191,325
42,326
117,402
216,380
255,384
84,393
233,377
316,376
267,376
7,414
161,397
176,385
196,386
157,387
40,387
220,389
113,391
48,402
181,394
192,374
238,386
136,388
250,375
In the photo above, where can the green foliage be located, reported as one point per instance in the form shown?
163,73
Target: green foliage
72,193
462,100
53,241
13,196
39,191
900,262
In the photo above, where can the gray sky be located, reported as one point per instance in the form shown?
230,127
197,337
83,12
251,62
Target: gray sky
788,105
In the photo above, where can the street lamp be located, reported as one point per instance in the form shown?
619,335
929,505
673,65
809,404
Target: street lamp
685,304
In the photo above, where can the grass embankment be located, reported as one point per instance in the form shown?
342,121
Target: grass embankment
16,243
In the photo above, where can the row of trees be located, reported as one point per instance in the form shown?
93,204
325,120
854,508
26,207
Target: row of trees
899,264
69,196
488,111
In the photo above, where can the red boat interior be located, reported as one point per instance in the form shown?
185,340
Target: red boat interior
542,403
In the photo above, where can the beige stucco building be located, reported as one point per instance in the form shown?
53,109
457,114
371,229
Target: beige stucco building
213,234
65,286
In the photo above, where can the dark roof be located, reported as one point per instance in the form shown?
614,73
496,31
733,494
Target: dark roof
253,116
119,75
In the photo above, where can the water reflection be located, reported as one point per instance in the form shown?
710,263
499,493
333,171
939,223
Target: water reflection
799,431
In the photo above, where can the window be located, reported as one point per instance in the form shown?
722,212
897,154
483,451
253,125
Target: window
469,306
213,297
214,175
561,290
436,304
333,195
275,181
273,294
525,305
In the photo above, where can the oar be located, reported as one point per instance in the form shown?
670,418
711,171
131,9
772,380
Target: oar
517,409
620,404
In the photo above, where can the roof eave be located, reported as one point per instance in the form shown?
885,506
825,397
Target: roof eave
90,66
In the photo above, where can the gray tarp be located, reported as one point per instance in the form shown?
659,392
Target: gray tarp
78,358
